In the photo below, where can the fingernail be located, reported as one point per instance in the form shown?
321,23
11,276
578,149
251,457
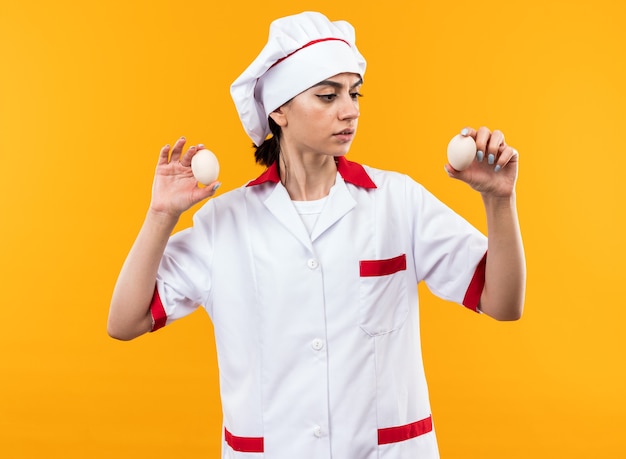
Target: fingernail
491,159
464,131
200,145
216,186
182,138
479,156
497,168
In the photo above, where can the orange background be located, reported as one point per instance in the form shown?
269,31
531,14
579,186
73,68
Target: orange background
89,91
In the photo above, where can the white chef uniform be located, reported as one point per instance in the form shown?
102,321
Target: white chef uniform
318,334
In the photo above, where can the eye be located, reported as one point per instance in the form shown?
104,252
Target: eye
327,97
355,95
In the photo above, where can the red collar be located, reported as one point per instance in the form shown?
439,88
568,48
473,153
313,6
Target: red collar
351,172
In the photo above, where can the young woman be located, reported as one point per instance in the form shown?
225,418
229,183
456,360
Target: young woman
309,272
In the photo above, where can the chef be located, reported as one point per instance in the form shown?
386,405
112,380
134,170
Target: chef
309,272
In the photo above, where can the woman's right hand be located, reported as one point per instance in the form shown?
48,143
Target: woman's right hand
175,188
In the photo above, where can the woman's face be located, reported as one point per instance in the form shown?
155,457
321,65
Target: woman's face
323,119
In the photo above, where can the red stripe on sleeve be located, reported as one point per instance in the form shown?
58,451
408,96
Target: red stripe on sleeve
406,432
159,317
372,268
244,444
476,286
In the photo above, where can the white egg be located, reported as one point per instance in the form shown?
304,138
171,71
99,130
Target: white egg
205,166
461,151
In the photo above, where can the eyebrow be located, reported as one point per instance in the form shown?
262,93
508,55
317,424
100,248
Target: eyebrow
334,84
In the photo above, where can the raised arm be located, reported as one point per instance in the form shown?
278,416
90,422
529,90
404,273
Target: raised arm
494,174
174,191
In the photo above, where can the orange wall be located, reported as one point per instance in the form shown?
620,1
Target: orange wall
89,91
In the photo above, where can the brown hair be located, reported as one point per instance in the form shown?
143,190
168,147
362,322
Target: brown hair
267,153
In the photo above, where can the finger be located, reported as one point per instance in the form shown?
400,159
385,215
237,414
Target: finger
482,139
177,150
451,171
209,190
508,155
493,147
468,131
214,186
164,154
186,159
200,193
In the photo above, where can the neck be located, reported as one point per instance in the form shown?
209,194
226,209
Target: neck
307,177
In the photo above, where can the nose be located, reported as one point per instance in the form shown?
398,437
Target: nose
349,108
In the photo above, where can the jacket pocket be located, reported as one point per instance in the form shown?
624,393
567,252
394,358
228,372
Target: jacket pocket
383,297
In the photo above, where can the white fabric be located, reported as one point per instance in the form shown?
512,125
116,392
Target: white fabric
312,357
267,84
309,211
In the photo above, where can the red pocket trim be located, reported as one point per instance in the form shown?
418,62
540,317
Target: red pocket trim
373,268
406,432
244,444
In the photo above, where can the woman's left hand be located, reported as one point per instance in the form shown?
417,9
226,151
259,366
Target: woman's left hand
494,170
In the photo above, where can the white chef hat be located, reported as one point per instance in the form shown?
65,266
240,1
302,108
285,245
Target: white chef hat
301,50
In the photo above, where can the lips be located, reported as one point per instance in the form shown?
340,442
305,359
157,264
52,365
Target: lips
345,132
345,136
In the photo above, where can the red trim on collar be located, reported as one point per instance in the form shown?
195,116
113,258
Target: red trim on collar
269,175
351,172
354,173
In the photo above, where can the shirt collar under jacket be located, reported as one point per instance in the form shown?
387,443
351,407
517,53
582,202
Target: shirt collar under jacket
351,172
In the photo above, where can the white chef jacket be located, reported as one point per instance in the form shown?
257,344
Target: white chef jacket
317,335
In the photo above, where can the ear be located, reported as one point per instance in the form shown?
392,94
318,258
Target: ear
279,117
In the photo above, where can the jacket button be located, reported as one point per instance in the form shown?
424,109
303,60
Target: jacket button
312,263
317,344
